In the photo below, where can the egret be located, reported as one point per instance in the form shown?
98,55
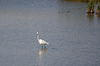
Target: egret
41,42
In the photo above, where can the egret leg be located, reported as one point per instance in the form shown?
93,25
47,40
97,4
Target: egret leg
42,46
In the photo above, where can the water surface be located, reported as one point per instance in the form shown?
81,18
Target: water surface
73,35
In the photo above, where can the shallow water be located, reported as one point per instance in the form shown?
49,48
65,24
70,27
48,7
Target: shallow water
73,35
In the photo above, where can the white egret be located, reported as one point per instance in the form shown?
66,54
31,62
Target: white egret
41,42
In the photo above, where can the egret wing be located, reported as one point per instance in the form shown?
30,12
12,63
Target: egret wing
43,42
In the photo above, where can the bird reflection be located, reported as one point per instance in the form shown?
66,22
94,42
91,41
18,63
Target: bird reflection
41,56
42,51
90,15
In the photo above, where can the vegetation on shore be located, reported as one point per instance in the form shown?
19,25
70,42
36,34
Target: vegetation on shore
90,7
98,9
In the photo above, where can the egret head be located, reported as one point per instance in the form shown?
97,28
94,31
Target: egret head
37,33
